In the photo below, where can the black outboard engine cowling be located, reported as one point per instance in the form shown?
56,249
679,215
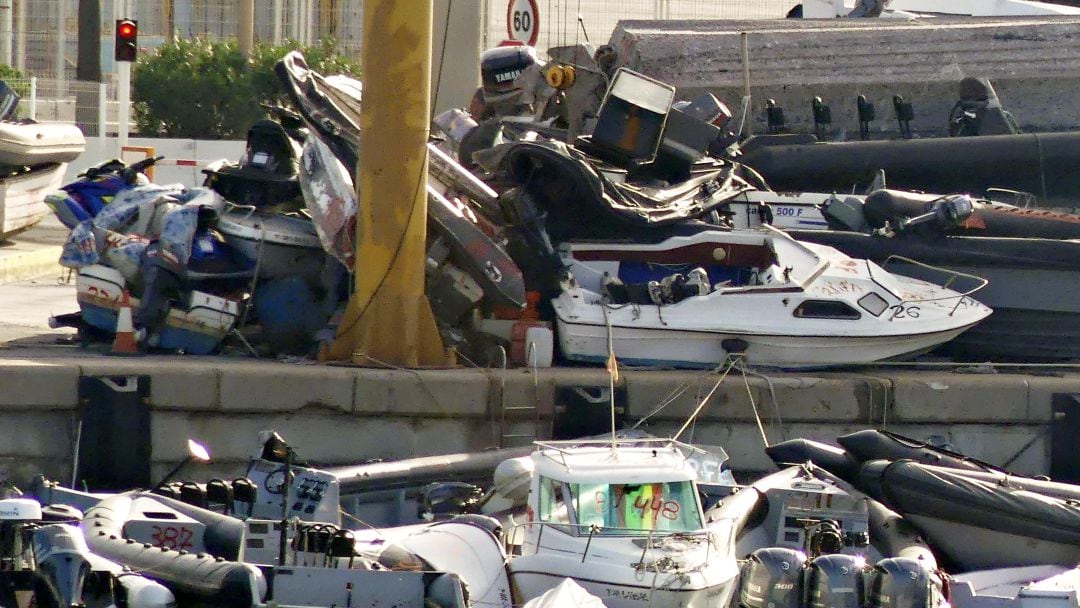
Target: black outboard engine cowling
772,578
836,581
268,171
500,66
903,582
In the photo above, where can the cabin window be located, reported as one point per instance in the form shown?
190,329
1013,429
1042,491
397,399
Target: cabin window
631,508
873,304
826,309
553,507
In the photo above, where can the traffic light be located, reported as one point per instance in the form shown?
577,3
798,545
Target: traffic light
126,43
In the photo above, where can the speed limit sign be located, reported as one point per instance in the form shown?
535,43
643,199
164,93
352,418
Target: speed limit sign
523,21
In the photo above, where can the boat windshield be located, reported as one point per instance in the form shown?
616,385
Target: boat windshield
631,508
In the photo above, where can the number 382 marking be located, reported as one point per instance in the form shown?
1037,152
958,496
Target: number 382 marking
171,538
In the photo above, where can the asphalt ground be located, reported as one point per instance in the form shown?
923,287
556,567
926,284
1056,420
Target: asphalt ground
35,287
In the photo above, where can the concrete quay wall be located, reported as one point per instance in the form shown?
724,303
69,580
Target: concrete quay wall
1033,63
344,415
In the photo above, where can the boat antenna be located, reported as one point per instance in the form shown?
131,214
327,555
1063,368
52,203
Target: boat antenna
612,366
285,487
581,22
195,452
729,365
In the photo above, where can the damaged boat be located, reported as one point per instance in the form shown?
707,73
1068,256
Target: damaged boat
1028,256
624,236
693,301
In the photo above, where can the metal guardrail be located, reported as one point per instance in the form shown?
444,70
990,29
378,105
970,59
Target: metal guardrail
565,447
953,275
651,537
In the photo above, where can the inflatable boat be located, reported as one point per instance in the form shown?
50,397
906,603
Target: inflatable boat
33,158
969,511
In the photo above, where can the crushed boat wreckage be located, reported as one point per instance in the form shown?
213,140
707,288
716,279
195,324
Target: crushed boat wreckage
286,269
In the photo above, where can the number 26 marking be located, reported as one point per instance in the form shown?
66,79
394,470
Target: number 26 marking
899,311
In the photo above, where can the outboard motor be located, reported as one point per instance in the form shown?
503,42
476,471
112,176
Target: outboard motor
499,67
446,499
903,582
979,111
220,494
60,552
836,581
946,212
193,494
772,578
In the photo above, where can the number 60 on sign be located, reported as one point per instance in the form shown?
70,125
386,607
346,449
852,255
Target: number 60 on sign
522,21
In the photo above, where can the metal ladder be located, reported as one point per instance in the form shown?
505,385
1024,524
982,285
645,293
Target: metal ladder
516,412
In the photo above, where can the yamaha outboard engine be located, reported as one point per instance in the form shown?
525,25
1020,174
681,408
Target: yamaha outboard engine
499,67
903,582
772,578
836,581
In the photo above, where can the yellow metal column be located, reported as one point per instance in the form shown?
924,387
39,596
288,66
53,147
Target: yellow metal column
388,319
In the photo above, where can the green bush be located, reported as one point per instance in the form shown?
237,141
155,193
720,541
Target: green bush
15,79
198,89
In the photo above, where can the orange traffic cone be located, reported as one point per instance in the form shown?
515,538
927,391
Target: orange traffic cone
124,342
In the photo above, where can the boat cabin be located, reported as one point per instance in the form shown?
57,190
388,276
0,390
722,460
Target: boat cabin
616,512
595,489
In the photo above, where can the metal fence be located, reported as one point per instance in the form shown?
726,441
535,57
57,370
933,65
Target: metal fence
563,22
45,31
43,39
89,104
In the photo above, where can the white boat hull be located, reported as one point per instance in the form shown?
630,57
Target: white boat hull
281,246
22,198
663,346
776,301
650,588
34,143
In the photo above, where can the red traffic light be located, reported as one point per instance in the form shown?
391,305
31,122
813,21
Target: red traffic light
126,30
126,43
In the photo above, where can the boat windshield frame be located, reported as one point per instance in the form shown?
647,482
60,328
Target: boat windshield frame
559,450
675,504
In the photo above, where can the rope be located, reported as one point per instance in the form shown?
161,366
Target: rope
730,365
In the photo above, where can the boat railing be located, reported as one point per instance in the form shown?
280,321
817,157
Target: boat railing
559,450
646,539
250,209
952,275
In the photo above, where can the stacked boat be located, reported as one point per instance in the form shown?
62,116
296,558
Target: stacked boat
1029,256
623,234
33,159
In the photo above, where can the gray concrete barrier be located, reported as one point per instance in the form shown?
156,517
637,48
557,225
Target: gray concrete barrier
1033,62
344,415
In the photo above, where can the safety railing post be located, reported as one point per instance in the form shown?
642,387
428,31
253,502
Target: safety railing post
33,98
101,118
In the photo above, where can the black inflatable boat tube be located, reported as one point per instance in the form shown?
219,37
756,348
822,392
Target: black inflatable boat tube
223,583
